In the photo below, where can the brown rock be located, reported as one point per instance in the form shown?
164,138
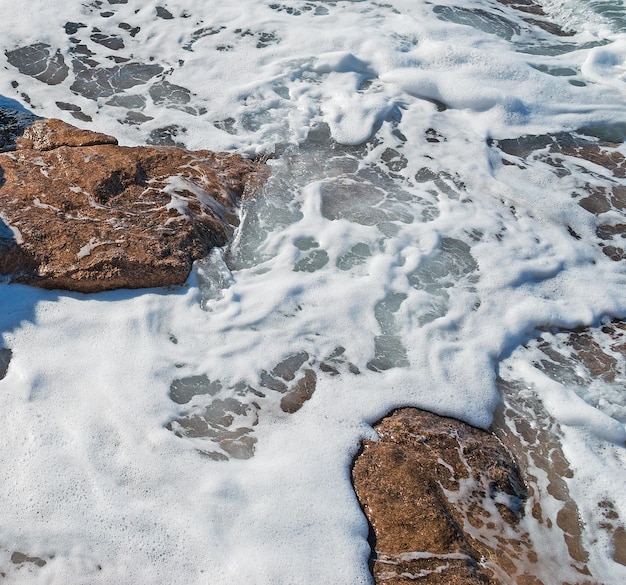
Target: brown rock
599,192
52,133
444,501
302,391
80,213
581,360
555,149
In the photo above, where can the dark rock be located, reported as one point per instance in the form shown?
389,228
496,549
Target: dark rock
166,93
164,13
539,17
5,358
81,213
93,82
166,135
71,28
18,558
12,126
112,42
39,62
444,501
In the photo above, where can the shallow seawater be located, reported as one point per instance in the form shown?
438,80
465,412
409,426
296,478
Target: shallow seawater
446,205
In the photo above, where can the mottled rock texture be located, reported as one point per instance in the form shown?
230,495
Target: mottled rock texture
589,362
52,133
592,160
80,213
444,501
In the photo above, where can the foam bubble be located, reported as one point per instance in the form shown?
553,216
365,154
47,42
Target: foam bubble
397,255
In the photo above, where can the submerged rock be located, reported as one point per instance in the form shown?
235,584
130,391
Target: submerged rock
536,15
586,365
80,213
592,160
444,500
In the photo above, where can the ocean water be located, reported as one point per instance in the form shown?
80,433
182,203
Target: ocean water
447,197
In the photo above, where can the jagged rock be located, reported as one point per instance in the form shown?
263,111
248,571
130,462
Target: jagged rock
444,501
81,213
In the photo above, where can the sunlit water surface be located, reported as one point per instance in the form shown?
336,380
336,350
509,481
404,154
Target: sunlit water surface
406,250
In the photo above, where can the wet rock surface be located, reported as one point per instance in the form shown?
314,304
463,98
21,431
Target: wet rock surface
593,153
535,15
588,363
5,357
444,501
53,133
81,213
12,126
220,418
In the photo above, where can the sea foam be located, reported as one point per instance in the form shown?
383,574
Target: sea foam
205,433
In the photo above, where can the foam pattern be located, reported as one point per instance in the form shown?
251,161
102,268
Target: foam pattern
446,189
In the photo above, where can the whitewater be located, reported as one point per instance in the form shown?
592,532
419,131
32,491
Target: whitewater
400,254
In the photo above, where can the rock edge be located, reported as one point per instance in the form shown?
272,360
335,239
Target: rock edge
444,501
78,212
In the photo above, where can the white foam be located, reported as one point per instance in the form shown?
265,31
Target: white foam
425,278
606,65
600,19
